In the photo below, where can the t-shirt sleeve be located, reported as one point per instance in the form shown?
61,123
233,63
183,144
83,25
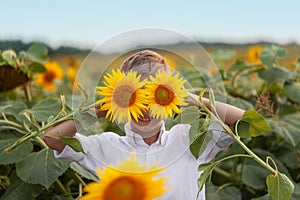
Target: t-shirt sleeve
219,141
93,152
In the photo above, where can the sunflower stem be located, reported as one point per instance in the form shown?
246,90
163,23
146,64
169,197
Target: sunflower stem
53,123
27,91
61,187
238,140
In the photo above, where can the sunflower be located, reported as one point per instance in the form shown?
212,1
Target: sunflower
71,74
166,93
253,54
53,72
129,181
123,96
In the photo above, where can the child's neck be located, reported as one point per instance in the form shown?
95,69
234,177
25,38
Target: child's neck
151,140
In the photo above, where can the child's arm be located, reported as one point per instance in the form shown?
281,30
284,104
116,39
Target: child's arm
66,128
228,113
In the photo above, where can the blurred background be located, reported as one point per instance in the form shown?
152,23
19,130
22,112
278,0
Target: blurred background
250,55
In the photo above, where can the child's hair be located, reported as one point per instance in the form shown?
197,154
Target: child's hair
146,63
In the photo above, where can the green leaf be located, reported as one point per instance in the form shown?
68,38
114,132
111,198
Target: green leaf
188,115
83,172
13,109
253,174
267,58
199,136
265,197
274,74
206,170
41,168
73,143
293,91
9,56
45,108
270,54
37,52
280,187
252,124
36,67
288,127
17,154
289,155
222,193
296,193
277,51
19,190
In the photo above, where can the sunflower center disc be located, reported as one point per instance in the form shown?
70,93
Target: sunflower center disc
164,95
125,188
49,76
124,96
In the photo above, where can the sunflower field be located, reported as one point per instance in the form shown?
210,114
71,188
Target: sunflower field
37,91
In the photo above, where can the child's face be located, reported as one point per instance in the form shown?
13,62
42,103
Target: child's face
146,126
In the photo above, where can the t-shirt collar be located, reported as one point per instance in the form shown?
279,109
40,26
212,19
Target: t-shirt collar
136,139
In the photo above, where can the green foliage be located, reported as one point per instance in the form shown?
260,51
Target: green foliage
280,186
41,172
270,128
72,142
15,156
252,124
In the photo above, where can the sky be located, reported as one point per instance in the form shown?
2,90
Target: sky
89,23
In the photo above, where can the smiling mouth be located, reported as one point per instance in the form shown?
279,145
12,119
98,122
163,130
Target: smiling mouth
146,117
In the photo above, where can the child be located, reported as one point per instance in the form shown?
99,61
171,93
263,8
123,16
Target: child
148,138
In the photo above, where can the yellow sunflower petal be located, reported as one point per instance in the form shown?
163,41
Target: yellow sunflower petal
166,93
123,97
129,180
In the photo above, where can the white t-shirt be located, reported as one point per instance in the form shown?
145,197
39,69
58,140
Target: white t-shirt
171,150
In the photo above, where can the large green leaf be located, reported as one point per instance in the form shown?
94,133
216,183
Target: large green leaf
274,74
83,172
188,115
36,67
222,193
288,127
280,186
45,108
252,124
265,197
293,91
253,175
199,136
296,193
41,167
289,155
13,109
37,52
270,54
17,154
19,190
277,51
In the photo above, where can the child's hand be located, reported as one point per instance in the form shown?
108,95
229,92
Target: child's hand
99,113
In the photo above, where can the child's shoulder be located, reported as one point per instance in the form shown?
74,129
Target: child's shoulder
180,127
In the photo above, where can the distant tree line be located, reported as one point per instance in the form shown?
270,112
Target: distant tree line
18,45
